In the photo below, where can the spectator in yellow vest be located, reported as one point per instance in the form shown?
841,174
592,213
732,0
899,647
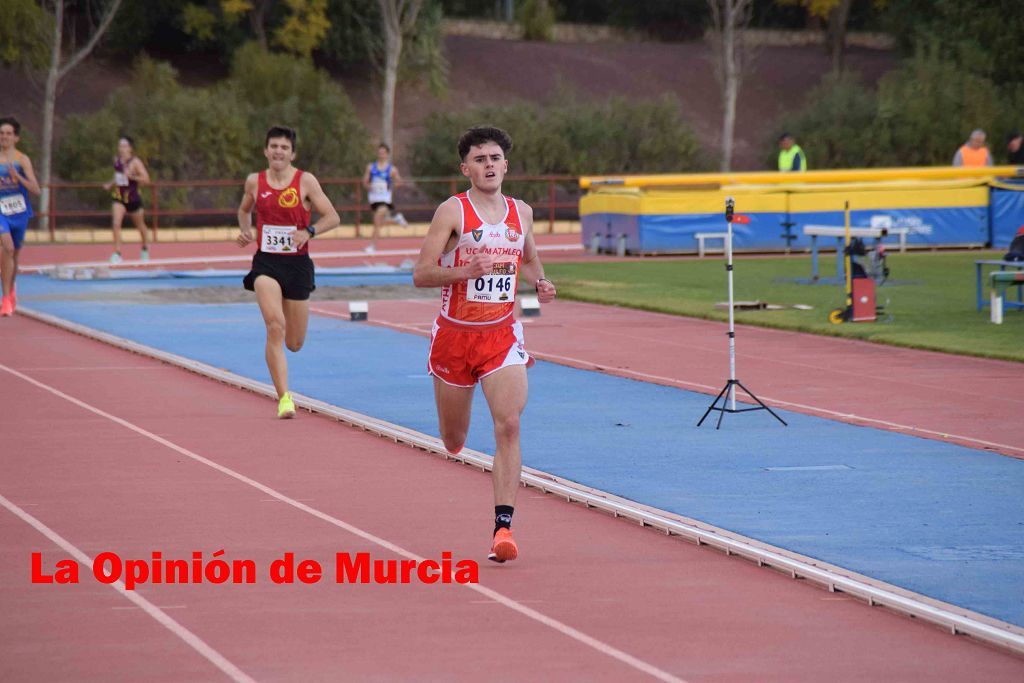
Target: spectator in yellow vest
973,152
791,157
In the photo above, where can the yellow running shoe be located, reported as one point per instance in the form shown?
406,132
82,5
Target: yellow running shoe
286,407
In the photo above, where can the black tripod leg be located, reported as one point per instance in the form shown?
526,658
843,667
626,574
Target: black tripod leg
761,403
712,406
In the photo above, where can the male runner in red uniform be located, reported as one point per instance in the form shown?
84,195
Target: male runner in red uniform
478,245
282,272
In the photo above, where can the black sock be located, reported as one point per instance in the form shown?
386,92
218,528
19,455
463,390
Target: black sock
503,517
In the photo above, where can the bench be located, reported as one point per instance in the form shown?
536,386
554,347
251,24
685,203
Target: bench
1001,281
839,232
979,267
702,236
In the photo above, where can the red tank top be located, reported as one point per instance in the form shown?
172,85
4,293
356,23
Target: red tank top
487,300
279,213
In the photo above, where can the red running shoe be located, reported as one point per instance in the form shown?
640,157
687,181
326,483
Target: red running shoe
504,547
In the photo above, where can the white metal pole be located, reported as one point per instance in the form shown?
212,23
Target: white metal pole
732,331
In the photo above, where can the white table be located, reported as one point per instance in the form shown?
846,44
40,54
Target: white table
839,232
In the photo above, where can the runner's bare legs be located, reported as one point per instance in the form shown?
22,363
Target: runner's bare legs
506,392
454,405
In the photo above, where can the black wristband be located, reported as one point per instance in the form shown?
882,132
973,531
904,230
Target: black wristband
542,279
311,230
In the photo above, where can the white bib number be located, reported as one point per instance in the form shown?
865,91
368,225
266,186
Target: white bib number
120,179
379,191
12,204
497,287
277,239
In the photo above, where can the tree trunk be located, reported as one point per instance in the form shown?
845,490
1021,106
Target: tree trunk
392,55
49,109
398,19
56,72
730,85
257,18
836,36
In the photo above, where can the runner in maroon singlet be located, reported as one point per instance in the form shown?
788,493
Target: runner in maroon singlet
129,172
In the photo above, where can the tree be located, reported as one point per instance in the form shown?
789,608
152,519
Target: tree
24,26
731,58
398,17
300,30
59,68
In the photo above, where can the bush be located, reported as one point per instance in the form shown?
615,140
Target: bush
199,133
835,126
617,136
537,18
332,140
927,108
923,111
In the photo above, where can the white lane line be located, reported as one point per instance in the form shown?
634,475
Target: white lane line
514,605
101,368
190,639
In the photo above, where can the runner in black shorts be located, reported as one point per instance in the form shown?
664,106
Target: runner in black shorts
380,180
282,271
129,173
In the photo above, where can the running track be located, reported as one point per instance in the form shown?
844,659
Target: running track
117,452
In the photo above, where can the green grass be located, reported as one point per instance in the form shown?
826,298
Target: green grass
931,297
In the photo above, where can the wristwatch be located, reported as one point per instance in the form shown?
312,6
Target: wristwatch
311,230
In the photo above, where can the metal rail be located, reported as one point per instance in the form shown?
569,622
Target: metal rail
349,196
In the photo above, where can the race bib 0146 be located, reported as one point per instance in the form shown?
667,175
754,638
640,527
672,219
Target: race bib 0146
497,287
277,239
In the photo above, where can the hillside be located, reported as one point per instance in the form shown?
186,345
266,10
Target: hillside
485,70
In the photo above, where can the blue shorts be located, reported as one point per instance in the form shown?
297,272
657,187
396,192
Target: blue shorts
16,225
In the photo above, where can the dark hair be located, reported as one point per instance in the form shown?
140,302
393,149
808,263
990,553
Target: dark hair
13,122
126,137
1013,136
478,135
785,135
385,147
282,132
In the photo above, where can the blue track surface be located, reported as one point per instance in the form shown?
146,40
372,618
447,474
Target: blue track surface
935,518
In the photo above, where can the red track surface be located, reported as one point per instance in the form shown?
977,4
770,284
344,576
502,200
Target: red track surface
103,485
935,395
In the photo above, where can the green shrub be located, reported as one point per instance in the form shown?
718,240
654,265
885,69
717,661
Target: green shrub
332,140
922,112
834,127
617,136
926,110
187,133
537,18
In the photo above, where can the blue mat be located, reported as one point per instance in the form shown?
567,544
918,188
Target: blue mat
935,518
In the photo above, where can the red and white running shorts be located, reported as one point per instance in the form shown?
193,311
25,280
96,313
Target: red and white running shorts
460,355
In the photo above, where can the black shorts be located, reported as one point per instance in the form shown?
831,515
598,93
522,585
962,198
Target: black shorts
377,205
294,272
130,207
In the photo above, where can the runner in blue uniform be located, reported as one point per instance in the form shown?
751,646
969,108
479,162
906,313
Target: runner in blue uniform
17,179
380,180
